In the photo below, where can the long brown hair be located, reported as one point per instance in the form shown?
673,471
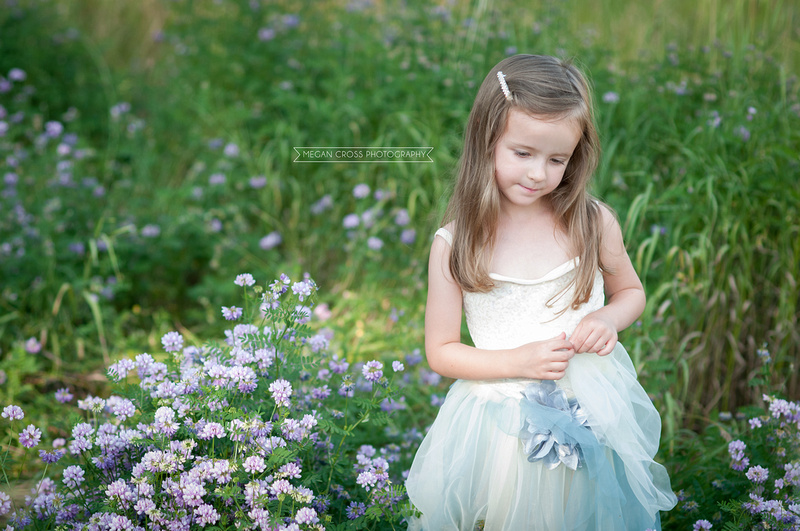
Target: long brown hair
544,87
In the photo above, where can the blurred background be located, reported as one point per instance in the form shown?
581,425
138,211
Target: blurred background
146,154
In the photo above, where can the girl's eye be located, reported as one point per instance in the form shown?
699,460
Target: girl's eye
559,161
521,153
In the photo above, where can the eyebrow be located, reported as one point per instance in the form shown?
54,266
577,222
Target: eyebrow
530,148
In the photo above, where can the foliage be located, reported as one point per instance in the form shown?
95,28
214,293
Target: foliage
754,460
146,157
267,429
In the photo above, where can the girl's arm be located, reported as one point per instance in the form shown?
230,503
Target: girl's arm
597,332
453,359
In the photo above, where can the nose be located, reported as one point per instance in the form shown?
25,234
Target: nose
536,172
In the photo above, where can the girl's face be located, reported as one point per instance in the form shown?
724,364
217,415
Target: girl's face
531,156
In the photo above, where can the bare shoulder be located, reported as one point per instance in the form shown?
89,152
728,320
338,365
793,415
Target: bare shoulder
607,216
445,234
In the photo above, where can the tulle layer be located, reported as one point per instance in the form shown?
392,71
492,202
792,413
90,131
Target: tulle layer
471,471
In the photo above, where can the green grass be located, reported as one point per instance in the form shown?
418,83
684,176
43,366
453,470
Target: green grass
700,161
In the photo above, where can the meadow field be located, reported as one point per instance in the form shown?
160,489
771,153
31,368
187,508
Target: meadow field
198,329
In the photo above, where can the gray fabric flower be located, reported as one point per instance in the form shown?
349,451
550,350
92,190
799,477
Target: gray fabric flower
549,416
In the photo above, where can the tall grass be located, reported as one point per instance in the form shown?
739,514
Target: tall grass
704,186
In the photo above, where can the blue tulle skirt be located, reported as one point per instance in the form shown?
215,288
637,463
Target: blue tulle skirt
527,455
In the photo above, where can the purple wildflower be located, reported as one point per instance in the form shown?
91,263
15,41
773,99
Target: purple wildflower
281,391
122,408
172,341
13,412
212,430
63,395
280,486
757,474
610,97
351,221
271,240
402,218
121,368
231,150
5,503
290,470
374,243
216,179
397,366
266,34
245,279
372,370
30,436
32,346
302,289
324,203
119,109
151,230
17,74
232,313
206,515
408,236
51,457
306,515
73,476
701,525
337,366
356,509
361,191
254,464
743,133
367,479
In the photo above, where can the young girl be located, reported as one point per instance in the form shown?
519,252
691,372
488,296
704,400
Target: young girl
546,427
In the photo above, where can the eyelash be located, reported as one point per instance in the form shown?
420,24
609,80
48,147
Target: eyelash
524,154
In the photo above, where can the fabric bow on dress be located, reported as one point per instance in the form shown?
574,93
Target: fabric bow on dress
549,440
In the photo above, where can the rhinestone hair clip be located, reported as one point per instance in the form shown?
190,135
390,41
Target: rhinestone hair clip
502,79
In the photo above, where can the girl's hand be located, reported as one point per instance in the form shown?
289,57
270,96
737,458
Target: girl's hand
545,360
594,334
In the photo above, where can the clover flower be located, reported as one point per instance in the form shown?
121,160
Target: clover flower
351,221
231,313
172,341
361,191
757,474
212,430
303,289
271,240
254,464
245,279
356,509
30,436
13,412
5,503
372,370
701,525
408,236
397,366
306,515
32,346
281,391
51,457
63,395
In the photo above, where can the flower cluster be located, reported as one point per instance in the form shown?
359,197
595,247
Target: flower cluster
247,433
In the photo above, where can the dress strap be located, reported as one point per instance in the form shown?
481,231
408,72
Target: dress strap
444,233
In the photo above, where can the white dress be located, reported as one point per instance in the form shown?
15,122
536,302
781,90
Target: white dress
577,455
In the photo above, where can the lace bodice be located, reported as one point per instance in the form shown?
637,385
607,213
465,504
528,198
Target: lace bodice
516,311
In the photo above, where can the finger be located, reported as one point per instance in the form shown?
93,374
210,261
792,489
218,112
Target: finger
608,348
586,344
